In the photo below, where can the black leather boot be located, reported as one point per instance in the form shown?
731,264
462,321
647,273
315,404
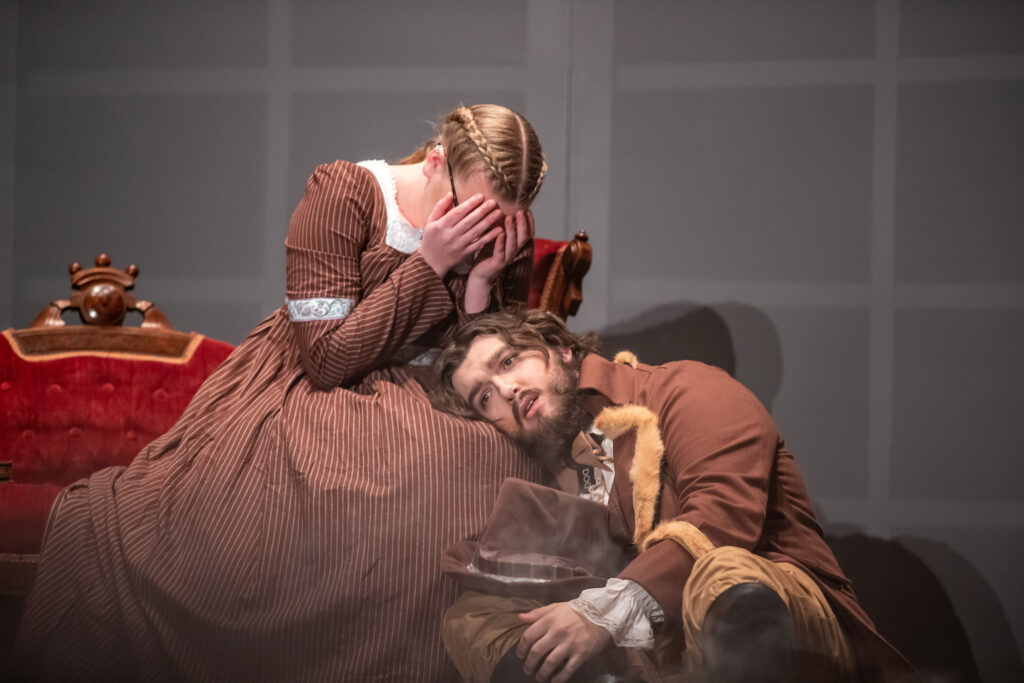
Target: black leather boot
748,637
509,669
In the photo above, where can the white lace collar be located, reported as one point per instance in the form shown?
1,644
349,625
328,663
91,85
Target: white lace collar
400,234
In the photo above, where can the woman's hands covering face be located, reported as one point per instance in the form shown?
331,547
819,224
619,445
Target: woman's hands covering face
452,234
517,232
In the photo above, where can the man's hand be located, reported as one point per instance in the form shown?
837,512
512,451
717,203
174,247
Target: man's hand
560,639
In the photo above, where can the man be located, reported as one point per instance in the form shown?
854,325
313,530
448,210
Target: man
727,555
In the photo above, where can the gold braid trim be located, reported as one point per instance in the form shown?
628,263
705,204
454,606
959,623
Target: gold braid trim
685,534
183,359
645,472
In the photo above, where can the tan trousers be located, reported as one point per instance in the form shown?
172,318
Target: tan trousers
823,651
480,628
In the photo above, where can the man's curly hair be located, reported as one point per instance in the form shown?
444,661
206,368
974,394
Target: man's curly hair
534,329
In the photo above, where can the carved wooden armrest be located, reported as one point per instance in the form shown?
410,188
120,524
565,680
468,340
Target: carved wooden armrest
563,289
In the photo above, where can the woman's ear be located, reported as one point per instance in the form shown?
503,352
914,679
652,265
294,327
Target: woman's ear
435,161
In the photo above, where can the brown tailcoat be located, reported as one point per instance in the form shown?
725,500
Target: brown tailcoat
695,450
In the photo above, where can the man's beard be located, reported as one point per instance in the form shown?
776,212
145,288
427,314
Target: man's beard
550,442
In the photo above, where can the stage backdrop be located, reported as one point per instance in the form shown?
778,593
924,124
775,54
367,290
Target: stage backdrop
826,199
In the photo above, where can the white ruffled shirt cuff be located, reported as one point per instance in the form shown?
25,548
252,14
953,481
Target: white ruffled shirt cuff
624,609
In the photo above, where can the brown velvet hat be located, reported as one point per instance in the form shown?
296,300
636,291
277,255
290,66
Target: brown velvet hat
539,543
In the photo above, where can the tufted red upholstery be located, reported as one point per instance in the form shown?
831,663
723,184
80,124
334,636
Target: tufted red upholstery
65,415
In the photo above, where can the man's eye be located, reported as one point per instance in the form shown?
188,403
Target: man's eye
483,398
508,361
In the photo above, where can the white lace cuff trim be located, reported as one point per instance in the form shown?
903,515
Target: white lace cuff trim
624,609
304,310
425,358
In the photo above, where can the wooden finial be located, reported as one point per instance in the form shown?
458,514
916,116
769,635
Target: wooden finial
102,296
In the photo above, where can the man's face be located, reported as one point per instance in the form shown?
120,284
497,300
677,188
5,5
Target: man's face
520,391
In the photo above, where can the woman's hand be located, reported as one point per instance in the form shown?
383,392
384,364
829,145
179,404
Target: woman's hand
517,232
451,235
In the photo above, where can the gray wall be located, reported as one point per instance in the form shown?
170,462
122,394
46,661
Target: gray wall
824,198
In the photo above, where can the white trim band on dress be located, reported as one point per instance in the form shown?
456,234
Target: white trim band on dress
425,358
305,310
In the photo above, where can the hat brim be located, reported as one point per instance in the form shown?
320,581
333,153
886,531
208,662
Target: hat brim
458,562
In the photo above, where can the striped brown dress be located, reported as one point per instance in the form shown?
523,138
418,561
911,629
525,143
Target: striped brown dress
290,525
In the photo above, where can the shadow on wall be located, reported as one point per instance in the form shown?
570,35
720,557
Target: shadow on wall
897,584
900,591
738,338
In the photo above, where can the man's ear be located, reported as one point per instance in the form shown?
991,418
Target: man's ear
566,353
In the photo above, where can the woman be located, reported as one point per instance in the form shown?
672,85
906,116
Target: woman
290,525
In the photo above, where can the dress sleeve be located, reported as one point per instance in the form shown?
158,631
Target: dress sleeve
509,292
341,331
514,289
720,444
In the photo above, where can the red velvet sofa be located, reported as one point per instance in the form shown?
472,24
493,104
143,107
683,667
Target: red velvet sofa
74,399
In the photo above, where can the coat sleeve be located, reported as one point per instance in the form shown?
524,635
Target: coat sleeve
342,332
720,444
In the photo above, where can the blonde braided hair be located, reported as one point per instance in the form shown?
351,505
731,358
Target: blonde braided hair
500,173
543,171
496,140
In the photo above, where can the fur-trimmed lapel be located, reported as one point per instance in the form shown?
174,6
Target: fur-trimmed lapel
645,472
